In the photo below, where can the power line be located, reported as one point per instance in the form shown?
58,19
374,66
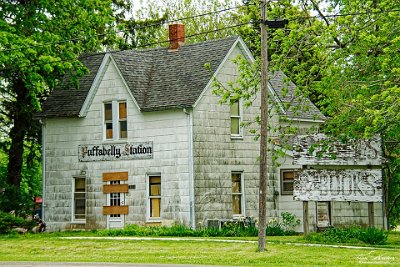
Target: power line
126,31
142,46
192,17
355,14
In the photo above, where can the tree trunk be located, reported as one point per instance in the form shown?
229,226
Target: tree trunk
21,118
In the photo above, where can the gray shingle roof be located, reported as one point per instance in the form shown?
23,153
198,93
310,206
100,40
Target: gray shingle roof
67,102
160,79
294,103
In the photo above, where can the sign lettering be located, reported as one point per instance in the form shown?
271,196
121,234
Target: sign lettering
126,151
338,185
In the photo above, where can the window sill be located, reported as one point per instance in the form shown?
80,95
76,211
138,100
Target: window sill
78,221
236,137
155,220
238,217
119,141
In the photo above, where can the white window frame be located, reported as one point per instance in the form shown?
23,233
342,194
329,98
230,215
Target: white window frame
115,120
240,134
148,218
242,198
73,218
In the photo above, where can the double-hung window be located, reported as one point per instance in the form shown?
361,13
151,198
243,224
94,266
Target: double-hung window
115,120
154,197
287,178
237,194
79,201
236,119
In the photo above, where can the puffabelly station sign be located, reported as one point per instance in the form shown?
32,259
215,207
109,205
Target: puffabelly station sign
108,152
338,185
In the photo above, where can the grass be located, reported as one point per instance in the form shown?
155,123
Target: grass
53,248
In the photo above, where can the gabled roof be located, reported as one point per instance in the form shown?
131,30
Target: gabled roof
66,102
161,79
293,104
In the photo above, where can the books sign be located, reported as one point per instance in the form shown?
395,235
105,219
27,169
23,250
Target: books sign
338,185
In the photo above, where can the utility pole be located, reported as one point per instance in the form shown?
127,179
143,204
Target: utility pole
262,193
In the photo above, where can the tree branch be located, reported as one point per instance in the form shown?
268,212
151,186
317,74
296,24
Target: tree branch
316,7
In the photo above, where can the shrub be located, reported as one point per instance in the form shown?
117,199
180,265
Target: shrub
282,226
373,236
353,234
8,221
274,228
229,229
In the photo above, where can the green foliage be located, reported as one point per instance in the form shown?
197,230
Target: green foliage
355,234
21,200
195,23
373,236
8,222
282,226
229,229
40,44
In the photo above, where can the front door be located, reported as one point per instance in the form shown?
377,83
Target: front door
115,199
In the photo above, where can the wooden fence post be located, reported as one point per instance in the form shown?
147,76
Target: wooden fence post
305,217
371,214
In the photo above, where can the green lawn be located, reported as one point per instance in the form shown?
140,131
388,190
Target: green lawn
53,247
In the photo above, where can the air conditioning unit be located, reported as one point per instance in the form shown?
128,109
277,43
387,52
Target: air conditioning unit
213,223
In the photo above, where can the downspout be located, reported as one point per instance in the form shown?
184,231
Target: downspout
192,218
43,166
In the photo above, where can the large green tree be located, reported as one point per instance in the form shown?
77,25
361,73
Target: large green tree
362,77
40,42
345,55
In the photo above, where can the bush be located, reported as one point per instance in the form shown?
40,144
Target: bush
373,236
355,234
229,229
282,226
8,222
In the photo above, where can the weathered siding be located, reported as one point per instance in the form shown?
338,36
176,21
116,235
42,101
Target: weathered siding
168,130
216,154
342,213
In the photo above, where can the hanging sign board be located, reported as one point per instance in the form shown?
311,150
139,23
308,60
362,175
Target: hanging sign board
318,150
105,152
338,185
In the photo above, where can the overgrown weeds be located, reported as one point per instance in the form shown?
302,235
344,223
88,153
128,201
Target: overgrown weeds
351,235
228,229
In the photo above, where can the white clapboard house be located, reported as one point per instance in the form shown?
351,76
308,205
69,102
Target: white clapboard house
143,140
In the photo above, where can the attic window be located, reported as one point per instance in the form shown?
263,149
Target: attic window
115,120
